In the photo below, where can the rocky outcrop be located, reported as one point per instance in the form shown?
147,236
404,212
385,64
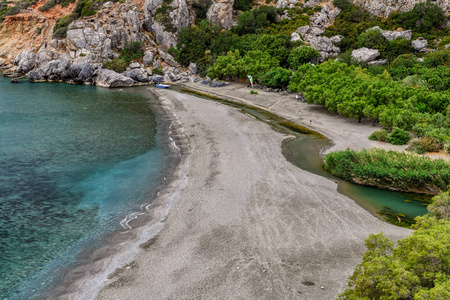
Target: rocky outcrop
365,54
325,17
102,37
286,3
420,45
392,35
221,13
165,20
109,78
148,58
312,36
384,8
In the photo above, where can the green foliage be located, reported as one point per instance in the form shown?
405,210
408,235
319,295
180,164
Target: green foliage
288,26
440,207
162,15
251,21
423,145
253,92
398,136
277,77
201,8
424,17
277,45
417,268
372,39
379,135
354,92
131,51
61,26
242,5
302,55
255,63
158,71
390,170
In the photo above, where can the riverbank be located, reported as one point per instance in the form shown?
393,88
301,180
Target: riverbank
246,223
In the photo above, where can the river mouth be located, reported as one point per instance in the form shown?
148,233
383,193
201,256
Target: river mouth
305,149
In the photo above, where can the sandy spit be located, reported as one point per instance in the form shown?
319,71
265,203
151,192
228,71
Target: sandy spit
245,223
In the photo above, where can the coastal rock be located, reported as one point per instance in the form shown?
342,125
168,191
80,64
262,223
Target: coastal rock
392,35
157,78
365,54
148,58
420,45
168,59
221,13
138,75
2,62
108,78
193,68
25,62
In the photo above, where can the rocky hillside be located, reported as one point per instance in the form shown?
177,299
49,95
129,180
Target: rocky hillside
28,45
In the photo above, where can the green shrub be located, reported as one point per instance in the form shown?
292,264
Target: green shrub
201,7
243,5
118,65
379,135
428,144
372,39
390,170
250,21
253,92
398,136
277,77
158,71
302,55
446,147
424,17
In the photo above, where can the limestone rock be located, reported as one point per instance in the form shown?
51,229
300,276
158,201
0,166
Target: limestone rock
384,8
177,16
109,78
420,44
2,62
168,58
325,17
392,35
286,3
295,37
379,62
134,65
336,39
365,54
25,61
157,78
148,58
193,68
221,13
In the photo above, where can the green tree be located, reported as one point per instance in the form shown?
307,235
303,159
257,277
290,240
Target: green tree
440,208
424,17
302,55
277,77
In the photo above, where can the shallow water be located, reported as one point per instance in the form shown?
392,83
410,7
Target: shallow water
74,160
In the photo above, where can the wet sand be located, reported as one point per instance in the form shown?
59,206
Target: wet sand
240,221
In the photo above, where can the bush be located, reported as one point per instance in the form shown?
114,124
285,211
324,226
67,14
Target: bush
379,135
424,17
158,71
372,39
250,21
398,136
447,147
277,77
425,144
302,55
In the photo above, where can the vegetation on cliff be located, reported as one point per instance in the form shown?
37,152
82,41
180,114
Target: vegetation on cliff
418,267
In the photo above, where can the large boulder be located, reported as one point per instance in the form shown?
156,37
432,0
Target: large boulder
286,3
221,13
148,58
420,45
365,54
25,61
110,79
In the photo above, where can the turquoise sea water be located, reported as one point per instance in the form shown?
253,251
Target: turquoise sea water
74,161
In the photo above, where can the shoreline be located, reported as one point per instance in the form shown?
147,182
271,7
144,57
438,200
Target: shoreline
244,226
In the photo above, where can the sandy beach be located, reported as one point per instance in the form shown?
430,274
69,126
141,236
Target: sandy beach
239,221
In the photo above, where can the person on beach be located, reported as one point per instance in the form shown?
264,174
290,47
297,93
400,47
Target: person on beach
296,97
